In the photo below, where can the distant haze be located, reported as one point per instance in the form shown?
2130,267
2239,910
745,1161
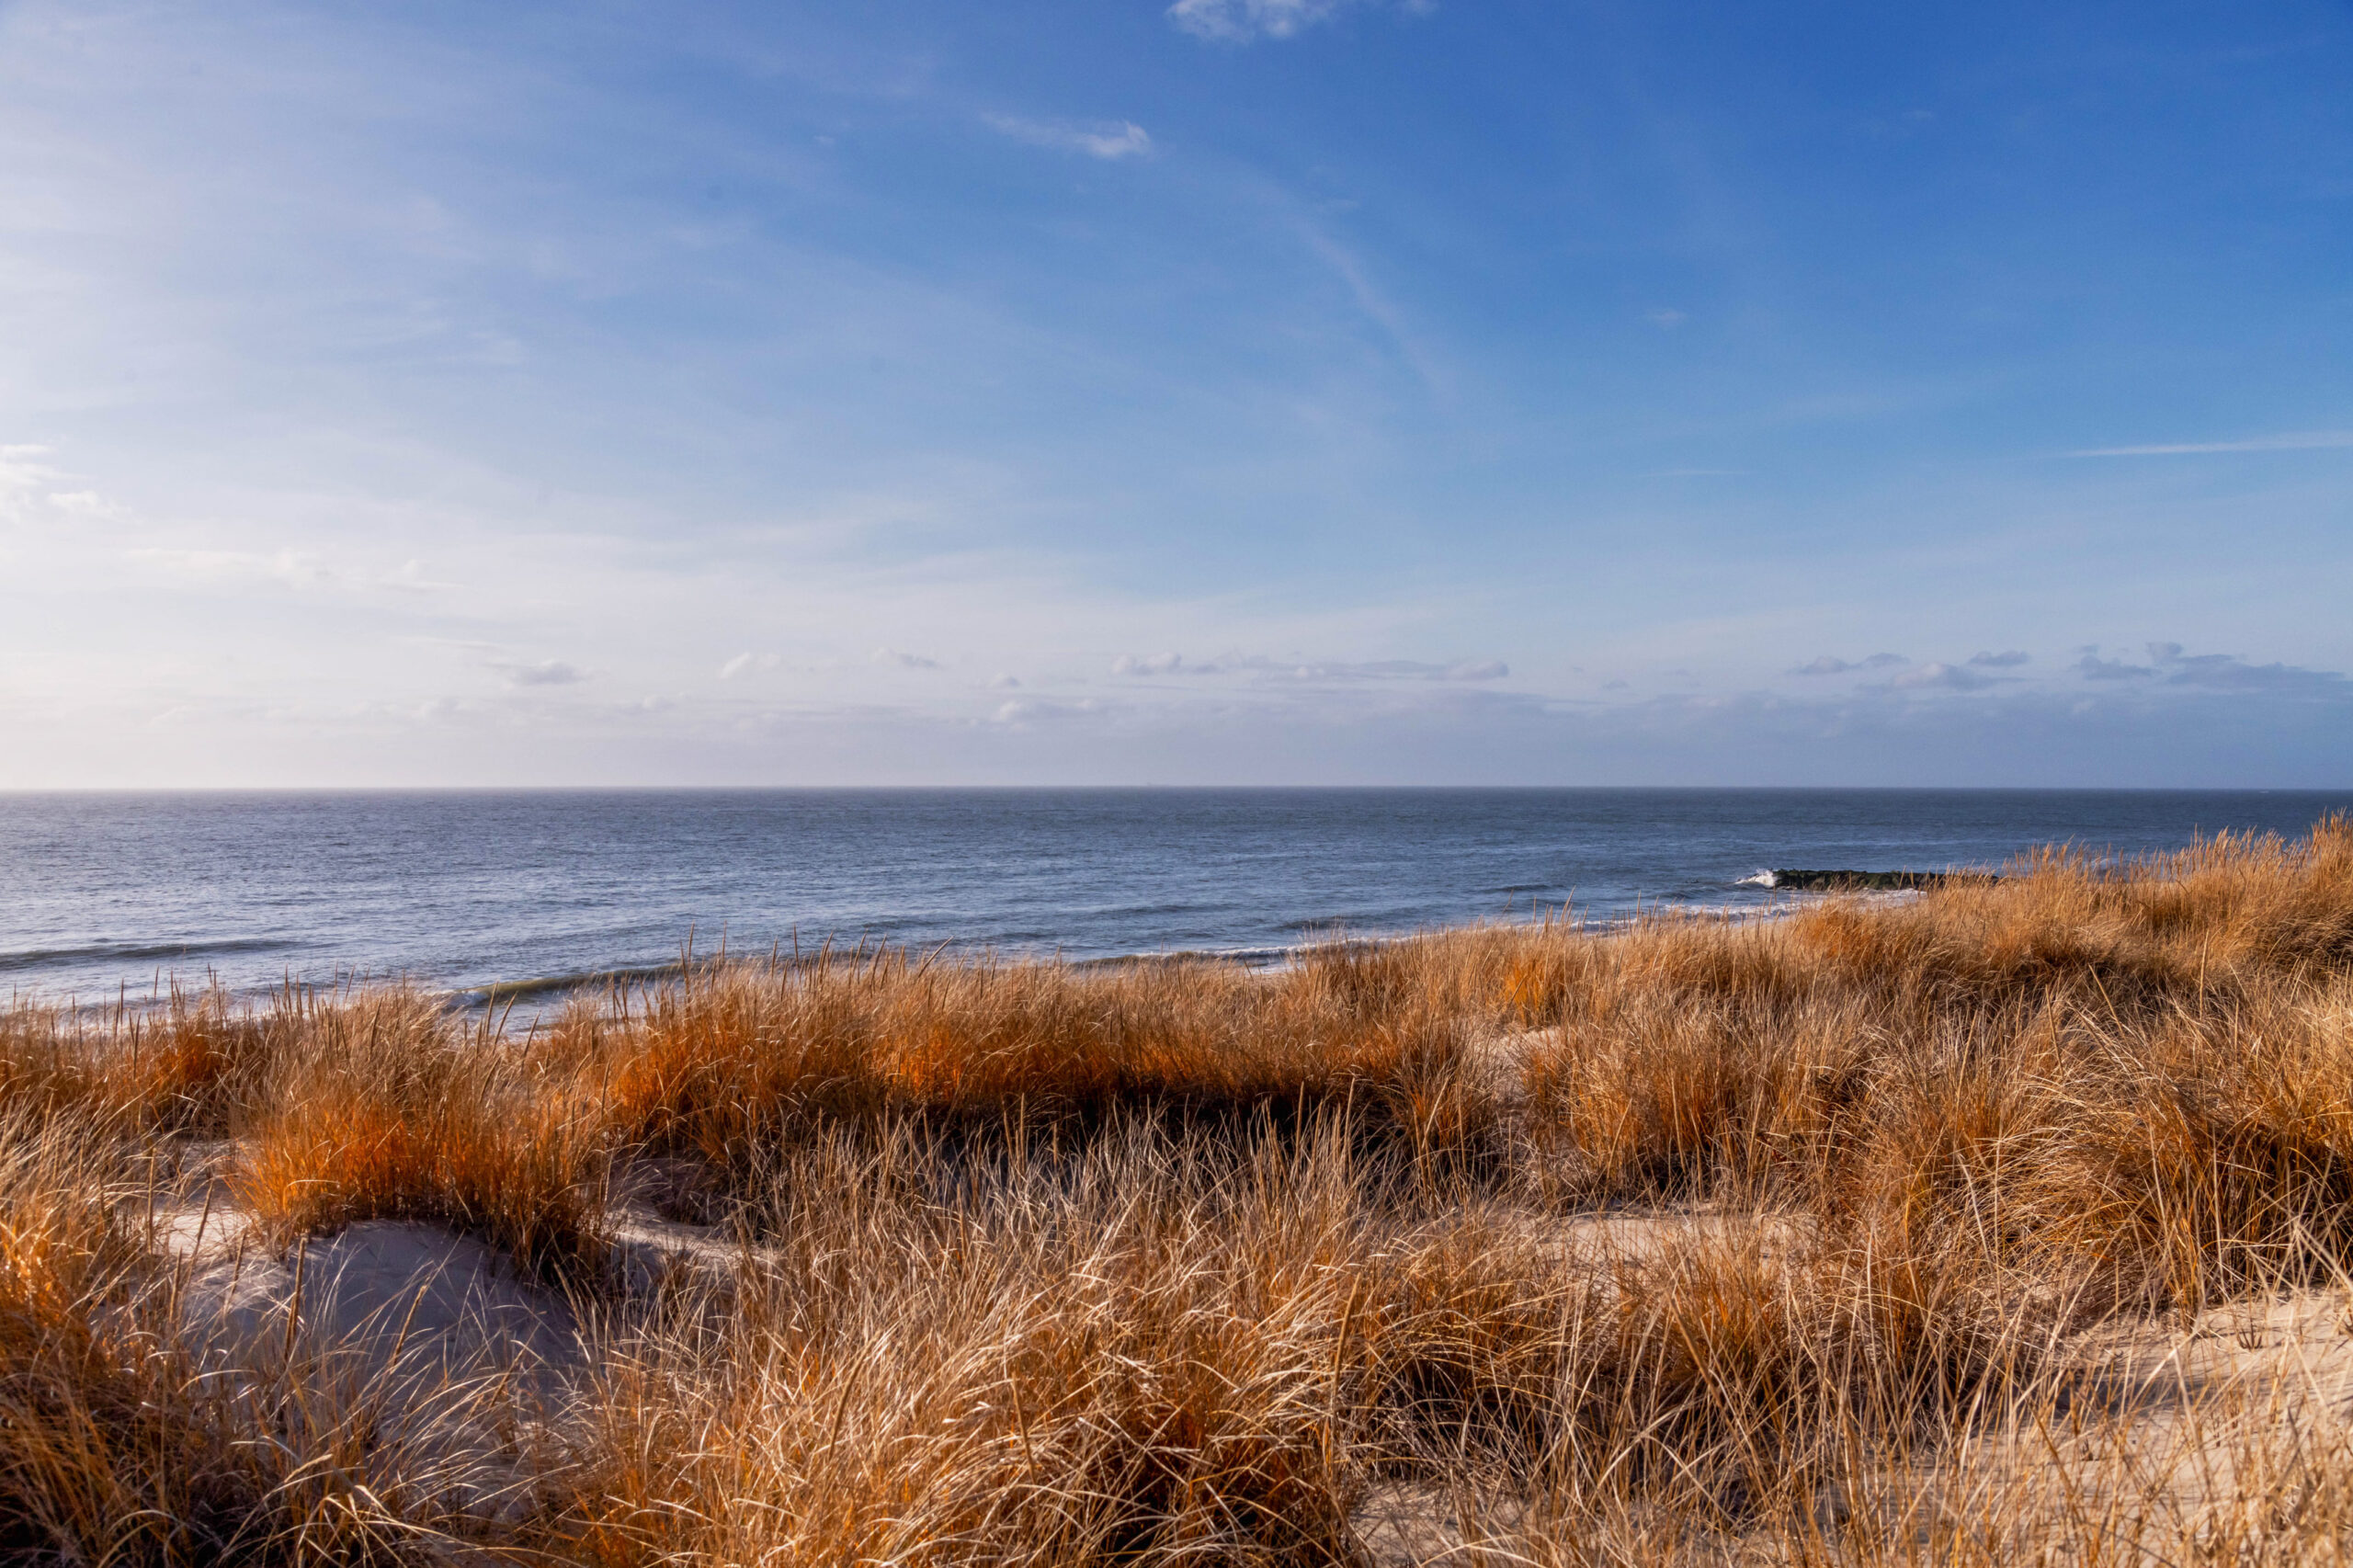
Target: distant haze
1236,390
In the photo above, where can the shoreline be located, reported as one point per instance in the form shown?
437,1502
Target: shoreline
1866,888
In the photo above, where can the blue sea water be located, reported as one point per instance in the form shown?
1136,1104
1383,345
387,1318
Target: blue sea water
463,890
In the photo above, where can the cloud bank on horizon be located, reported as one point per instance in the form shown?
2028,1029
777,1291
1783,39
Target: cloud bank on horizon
1229,390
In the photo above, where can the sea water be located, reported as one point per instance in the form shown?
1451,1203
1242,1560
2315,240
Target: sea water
106,892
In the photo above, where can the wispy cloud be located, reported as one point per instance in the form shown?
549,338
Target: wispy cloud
2296,441
2008,659
291,568
1240,21
2169,665
747,663
904,661
1155,664
20,468
1377,306
1024,712
1947,677
1107,140
296,568
547,671
1312,670
2091,667
1829,666
1380,669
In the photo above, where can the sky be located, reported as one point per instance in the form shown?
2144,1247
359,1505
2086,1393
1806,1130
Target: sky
1251,391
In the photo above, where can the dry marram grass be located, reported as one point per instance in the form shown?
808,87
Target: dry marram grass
2007,1223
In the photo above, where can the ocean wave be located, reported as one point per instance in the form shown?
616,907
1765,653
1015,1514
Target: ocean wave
115,952
498,991
1190,955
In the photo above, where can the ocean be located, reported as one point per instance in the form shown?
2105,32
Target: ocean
101,894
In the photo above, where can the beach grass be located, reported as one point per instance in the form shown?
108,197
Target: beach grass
2007,1220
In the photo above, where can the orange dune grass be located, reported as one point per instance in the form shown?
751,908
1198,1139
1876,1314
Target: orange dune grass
179,1067
1128,1356
382,1110
1954,1228
731,1056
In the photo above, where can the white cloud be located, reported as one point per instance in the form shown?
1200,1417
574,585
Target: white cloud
296,568
410,576
748,662
1949,677
1109,140
2091,667
1828,666
293,568
2010,659
1148,664
28,489
904,661
83,502
1239,21
2216,672
1312,670
1023,712
2294,441
547,671
1667,317
21,470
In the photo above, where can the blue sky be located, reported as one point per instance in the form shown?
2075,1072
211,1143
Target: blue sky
1240,391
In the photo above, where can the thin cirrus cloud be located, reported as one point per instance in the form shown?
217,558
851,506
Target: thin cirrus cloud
1313,671
747,663
1242,21
1155,664
287,568
2294,441
1940,677
1463,670
1829,666
2169,665
546,672
1109,140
